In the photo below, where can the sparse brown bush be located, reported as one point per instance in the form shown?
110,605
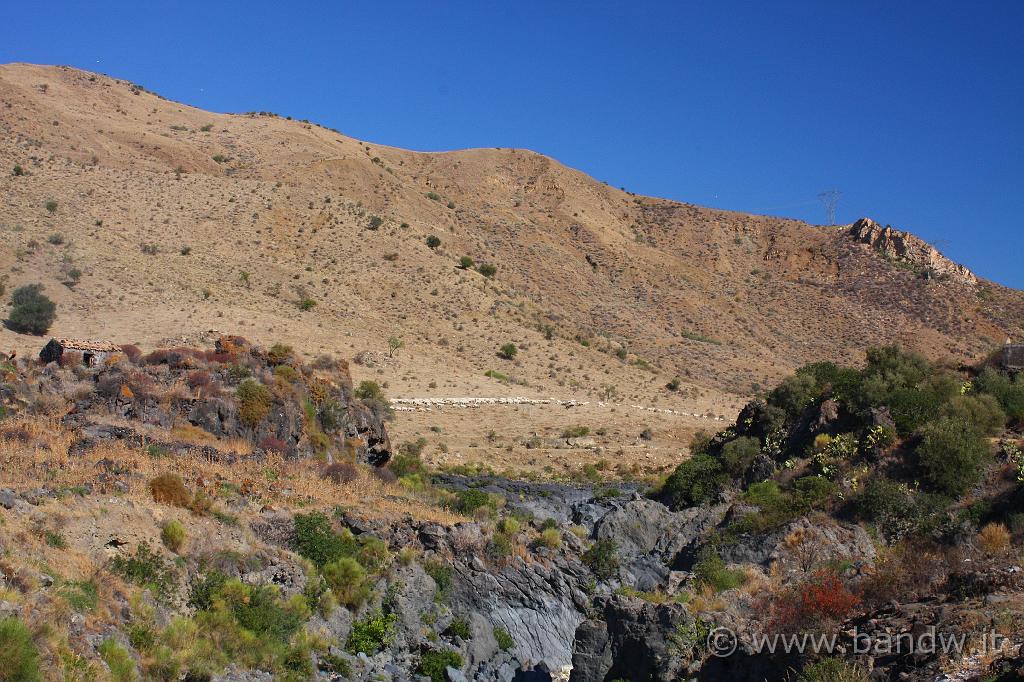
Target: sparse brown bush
131,351
993,539
168,488
274,445
341,472
385,475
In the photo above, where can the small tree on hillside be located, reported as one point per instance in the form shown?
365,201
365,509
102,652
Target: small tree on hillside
508,351
394,343
433,241
31,311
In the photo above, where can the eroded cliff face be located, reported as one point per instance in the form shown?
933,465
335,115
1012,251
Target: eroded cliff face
910,249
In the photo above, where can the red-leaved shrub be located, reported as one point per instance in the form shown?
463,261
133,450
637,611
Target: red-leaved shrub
274,445
813,605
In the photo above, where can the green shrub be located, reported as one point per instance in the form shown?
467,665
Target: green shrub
173,536
459,628
19,658
469,500
1009,393
433,663
794,393
710,570
951,453
578,431
315,539
254,402
280,353
433,196
487,270
369,390
982,410
508,351
913,406
81,596
433,241
146,569
603,559
442,576
465,262
371,633
499,548
256,608
347,580
31,311
117,658
550,538
306,304
56,540
504,639
739,454
50,205
694,482
509,525
203,589
833,670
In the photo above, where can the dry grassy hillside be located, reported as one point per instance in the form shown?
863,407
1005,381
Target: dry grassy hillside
182,221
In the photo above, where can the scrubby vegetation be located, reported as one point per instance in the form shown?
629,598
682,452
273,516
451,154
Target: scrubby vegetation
32,312
873,433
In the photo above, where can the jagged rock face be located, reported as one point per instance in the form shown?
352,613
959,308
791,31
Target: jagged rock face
910,249
630,640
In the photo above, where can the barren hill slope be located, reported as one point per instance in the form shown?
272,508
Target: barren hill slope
181,221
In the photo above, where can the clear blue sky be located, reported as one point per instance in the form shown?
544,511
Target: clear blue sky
915,110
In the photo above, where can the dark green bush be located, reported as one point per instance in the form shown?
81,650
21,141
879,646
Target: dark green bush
794,393
487,270
982,410
459,628
710,570
603,559
148,569
203,589
31,311
739,454
1009,393
315,539
694,482
433,241
951,454
370,634
433,663
469,500
465,262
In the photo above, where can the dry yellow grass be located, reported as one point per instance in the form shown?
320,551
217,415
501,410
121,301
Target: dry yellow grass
993,539
40,456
